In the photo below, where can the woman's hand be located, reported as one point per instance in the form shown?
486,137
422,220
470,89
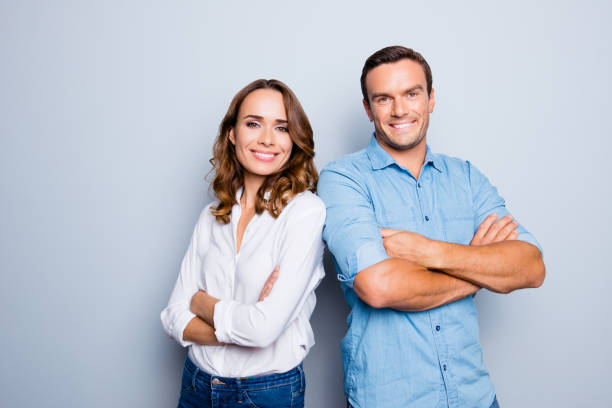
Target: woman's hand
203,304
267,288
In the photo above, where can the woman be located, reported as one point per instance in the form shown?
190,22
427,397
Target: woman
245,290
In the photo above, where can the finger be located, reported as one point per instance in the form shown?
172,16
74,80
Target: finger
513,235
387,232
265,291
505,232
496,227
483,228
272,279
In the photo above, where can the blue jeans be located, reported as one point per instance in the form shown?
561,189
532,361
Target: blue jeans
199,389
495,404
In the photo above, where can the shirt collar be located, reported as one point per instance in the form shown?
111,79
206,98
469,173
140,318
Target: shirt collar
434,160
381,159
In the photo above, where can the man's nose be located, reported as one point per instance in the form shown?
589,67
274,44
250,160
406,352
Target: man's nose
399,108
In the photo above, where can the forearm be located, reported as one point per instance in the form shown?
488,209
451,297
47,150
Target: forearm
203,305
198,331
500,267
407,286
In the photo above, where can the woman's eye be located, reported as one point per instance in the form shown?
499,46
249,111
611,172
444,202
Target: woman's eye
252,124
283,129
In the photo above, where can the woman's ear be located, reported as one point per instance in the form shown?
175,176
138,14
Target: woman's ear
231,136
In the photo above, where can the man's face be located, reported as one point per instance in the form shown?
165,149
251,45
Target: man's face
399,105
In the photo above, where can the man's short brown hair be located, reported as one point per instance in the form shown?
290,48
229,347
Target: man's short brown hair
391,54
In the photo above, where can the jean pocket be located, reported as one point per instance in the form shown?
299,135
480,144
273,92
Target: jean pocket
187,381
297,395
270,397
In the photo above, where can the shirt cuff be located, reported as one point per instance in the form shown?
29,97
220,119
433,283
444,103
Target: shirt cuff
177,328
527,237
366,255
222,318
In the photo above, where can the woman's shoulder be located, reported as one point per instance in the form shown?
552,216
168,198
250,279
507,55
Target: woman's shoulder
305,203
206,216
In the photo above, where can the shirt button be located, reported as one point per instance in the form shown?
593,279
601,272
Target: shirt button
437,328
444,367
419,185
427,218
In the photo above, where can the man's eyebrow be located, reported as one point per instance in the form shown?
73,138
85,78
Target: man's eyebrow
378,94
415,88
412,89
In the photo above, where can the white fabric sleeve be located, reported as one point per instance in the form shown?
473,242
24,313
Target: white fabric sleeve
300,257
177,314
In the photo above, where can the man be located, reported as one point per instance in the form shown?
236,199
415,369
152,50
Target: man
414,236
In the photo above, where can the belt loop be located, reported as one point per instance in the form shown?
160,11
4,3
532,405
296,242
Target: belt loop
301,371
195,376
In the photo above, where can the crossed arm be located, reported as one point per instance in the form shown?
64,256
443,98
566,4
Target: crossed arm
201,328
423,273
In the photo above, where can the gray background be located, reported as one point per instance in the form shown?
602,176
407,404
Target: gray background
108,112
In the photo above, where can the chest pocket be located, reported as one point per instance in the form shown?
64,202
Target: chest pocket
458,223
398,217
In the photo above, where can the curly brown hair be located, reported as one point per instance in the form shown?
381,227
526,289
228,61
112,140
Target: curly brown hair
297,175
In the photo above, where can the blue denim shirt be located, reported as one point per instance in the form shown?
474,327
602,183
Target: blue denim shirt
407,359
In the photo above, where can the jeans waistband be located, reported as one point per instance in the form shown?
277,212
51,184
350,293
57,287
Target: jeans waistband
246,383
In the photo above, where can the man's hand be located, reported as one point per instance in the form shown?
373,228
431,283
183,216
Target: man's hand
408,245
416,248
267,288
490,231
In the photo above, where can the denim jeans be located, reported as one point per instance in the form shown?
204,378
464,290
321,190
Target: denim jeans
495,404
199,389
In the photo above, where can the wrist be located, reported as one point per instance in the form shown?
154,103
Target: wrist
208,309
436,254
196,303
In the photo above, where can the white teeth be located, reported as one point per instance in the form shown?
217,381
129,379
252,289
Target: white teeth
402,125
264,155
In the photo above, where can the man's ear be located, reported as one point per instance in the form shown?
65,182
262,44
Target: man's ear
432,101
366,106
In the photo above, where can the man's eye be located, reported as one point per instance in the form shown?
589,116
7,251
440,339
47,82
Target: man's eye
412,94
383,100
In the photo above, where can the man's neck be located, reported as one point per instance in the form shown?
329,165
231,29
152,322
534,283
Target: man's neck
411,159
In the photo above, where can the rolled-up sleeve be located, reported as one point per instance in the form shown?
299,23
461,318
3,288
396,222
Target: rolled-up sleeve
177,314
486,200
300,271
351,230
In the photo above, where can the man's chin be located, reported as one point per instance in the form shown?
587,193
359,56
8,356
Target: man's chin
401,145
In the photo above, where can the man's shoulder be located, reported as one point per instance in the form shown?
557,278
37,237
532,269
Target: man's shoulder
453,166
450,162
352,163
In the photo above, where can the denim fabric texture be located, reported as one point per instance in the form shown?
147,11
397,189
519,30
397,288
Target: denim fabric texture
202,390
392,358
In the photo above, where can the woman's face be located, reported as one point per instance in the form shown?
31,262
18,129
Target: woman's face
261,136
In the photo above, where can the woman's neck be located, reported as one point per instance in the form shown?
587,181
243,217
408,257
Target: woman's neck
252,183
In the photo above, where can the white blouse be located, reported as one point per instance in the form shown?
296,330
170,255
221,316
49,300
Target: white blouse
271,336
